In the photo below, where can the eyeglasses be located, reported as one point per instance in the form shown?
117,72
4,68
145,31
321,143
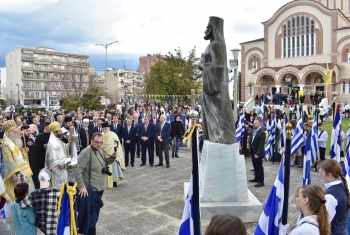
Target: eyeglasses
98,143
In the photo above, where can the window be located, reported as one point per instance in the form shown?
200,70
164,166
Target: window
327,3
343,87
299,37
254,63
341,4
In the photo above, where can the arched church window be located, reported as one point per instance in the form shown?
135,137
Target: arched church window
349,88
250,89
299,38
319,80
343,87
254,63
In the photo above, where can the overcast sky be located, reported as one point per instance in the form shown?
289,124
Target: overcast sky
141,26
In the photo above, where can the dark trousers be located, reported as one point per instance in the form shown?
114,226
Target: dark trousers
322,153
175,145
129,148
138,148
150,147
258,169
92,230
155,143
163,148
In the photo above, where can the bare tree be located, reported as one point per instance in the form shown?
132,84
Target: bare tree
73,78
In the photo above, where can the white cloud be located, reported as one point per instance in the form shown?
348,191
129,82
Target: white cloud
141,27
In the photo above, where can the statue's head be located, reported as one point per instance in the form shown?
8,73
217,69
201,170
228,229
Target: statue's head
215,26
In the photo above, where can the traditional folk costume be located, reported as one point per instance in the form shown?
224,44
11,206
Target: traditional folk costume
111,140
15,162
56,154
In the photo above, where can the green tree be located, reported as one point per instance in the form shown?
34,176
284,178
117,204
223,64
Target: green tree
173,75
72,102
91,99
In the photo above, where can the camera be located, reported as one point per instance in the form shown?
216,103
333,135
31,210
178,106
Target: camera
105,170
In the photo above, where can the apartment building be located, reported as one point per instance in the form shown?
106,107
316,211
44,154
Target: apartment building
43,76
124,85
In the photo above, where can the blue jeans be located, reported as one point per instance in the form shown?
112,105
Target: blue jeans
176,143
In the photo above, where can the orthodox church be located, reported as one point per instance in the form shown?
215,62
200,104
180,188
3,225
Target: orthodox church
303,40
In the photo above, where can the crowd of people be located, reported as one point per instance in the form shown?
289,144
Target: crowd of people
35,146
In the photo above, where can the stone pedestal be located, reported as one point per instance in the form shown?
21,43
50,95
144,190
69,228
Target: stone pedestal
223,184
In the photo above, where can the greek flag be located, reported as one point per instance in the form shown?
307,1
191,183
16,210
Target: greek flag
335,139
240,129
271,139
272,214
283,135
315,152
346,167
231,79
307,161
298,137
348,139
261,109
63,225
186,227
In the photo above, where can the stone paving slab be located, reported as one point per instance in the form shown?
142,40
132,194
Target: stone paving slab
150,199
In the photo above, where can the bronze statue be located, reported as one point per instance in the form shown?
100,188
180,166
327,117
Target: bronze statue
218,123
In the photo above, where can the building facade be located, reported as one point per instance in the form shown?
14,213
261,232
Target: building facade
43,76
301,40
124,85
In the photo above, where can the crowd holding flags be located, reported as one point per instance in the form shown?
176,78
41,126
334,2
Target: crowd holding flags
335,138
271,139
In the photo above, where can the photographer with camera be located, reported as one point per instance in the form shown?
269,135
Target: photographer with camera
91,181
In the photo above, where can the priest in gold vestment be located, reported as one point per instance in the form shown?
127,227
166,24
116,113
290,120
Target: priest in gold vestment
112,144
16,164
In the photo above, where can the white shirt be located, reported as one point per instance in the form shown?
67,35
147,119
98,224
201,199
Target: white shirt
342,140
306,228
322,140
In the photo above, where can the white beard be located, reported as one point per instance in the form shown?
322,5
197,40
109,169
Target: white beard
16,140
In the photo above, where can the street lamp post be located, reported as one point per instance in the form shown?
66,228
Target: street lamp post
287,158
234,65
106,47
19,102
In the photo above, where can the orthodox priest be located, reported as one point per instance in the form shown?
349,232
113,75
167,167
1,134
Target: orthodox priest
29,144
65,133
41,143
16,165
112,144
56,154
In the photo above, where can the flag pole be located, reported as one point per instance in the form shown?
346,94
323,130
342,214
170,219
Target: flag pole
196,203
287,173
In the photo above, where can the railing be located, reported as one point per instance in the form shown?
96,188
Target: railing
26,57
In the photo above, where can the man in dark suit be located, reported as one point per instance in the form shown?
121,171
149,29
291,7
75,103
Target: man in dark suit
146,134
97,128
117,128
155,121
84,134
257,151
136,123
129,137
94,122
163,140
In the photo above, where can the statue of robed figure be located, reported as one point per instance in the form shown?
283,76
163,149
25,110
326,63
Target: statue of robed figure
218,123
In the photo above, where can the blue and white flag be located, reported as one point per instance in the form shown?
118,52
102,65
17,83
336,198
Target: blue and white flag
272,215
307,161
348,140
346,168
315,151
261,109
240,129
186,227
231,79
298,137
284,134
271,139
63,225
335,139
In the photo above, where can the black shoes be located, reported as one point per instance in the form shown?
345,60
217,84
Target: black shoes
172,156
259,185
132,164
142,164
160,164
177,156
253,180
115,184
126,165
167,165
151,165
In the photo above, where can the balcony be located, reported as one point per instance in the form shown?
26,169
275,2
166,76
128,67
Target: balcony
42,69
26,88
27,57
28,67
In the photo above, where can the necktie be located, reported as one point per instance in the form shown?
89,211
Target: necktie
115,126
99,129
145,127
161,127
128,129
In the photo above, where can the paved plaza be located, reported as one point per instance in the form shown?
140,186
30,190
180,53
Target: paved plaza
150,199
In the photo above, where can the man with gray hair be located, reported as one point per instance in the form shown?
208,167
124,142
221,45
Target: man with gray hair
163,131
